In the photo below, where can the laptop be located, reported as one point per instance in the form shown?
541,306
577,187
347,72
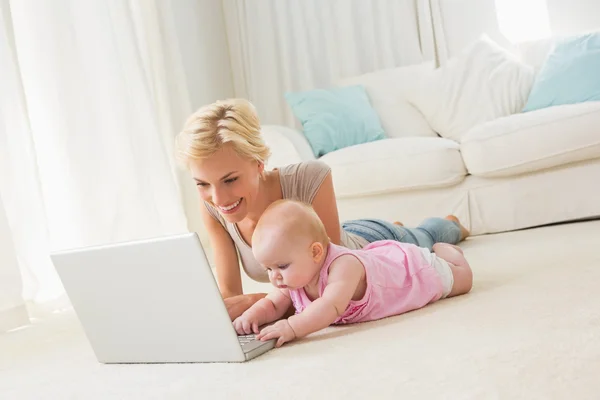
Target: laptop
152,301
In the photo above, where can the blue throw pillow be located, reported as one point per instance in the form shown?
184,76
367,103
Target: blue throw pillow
571,74
336,118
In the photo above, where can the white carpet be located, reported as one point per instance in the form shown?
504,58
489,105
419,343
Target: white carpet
530,329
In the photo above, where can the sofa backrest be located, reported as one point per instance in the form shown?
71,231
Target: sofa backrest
388,90
534,53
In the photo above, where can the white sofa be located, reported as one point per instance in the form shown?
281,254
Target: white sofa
514,172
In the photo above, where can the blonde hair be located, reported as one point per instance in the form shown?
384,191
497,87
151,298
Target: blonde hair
294,219
232,121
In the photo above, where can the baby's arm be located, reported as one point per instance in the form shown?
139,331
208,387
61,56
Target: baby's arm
274,305
268,309
345,274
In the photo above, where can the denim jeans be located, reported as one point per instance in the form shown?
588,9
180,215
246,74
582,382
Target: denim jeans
429,232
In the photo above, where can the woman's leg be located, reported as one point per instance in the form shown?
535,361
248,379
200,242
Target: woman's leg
464,232
438,230
431,231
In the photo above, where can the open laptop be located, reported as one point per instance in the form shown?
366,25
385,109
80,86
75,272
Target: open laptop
152,301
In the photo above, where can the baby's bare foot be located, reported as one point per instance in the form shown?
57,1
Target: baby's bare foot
464,232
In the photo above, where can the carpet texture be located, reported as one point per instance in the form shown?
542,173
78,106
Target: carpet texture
530,329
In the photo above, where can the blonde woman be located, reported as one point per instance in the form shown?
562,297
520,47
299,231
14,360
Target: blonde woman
222,147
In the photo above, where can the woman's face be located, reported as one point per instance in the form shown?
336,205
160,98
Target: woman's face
228,182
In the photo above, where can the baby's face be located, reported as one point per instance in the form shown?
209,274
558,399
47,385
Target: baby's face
289,263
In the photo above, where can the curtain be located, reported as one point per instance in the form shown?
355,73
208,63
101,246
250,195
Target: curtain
13,312
91,96
293,45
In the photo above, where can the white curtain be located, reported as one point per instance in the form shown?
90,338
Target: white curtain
278,46
91,96
13,312
92,93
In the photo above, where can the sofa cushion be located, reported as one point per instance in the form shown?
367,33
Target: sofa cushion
388,90
533,141
481,84
336,118
395,164
569,75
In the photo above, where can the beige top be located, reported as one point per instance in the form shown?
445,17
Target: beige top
299,182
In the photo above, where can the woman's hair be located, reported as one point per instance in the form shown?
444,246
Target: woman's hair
228,121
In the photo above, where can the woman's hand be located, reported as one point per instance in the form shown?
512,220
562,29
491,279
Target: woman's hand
281,330
237,305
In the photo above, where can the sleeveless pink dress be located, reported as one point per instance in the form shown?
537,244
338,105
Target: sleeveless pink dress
399,279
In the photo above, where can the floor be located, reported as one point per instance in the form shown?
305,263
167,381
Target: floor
530,329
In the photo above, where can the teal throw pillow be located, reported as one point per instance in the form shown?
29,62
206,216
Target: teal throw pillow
570,74
336,118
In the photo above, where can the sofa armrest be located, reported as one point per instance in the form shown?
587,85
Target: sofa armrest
288,146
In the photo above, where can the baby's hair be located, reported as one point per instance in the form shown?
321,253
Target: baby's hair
299,219
232,121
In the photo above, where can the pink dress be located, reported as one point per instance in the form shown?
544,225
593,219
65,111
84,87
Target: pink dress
399,279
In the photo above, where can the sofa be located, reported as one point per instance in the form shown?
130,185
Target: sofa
520,170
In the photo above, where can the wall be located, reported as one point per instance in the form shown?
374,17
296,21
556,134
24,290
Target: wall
573,16
463,21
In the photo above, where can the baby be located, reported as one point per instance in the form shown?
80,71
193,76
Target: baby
330,284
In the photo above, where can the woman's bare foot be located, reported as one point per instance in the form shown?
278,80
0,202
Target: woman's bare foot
464,232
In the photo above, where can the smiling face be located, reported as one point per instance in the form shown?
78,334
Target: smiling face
228,181
222,146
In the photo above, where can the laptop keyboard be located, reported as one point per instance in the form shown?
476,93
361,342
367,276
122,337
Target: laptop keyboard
244,339
249,343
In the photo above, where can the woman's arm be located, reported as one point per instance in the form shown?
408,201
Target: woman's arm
228,268
226,258
325,205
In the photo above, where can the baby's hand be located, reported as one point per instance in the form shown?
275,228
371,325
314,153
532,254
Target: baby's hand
246,324
281,330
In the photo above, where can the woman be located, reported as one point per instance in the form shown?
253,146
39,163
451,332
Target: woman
222,146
